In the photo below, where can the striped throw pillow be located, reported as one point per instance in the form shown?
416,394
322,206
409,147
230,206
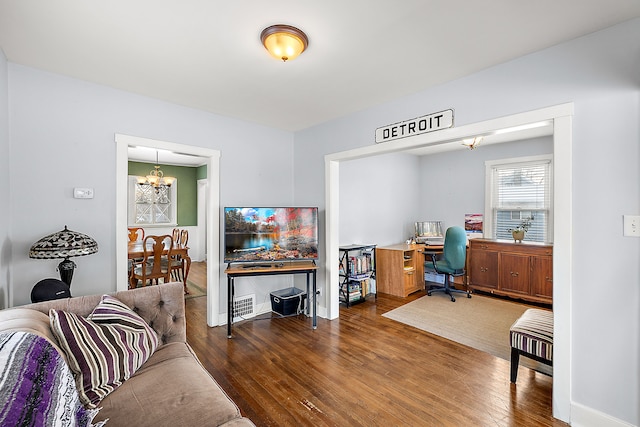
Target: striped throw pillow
104,349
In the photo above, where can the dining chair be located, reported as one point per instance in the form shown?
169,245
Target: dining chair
157,250
135,234
178,263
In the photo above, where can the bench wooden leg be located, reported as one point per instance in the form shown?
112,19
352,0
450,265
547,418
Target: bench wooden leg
515,360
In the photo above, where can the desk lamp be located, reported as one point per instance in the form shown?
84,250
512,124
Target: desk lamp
64,244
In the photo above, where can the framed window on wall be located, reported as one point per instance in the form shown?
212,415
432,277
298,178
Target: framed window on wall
519,192
150,206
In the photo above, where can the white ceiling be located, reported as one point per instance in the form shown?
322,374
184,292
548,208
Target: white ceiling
207,55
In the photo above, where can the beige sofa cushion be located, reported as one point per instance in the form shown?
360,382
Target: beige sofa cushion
171,389
27,320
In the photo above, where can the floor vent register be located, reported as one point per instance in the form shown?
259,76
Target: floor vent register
244,307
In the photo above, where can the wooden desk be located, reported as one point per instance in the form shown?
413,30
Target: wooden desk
266,269
399,269
135,250
427,250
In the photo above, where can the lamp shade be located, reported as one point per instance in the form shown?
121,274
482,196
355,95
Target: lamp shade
284,41
472,143
63,244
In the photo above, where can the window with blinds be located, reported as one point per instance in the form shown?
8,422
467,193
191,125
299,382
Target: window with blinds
520,195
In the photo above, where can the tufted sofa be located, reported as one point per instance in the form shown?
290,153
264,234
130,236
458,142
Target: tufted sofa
172,388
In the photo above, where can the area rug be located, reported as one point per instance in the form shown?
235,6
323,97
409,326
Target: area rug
195,290
480,322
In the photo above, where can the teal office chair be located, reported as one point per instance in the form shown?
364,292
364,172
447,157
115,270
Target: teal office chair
452,263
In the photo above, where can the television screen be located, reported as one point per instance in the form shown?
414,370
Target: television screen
270,234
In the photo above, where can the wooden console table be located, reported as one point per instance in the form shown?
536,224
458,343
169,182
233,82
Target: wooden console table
518,270
267,269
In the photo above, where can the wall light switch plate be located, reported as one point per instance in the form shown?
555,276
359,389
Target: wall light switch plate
632,225
83,193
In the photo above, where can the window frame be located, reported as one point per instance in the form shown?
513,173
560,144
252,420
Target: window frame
489,231
131,203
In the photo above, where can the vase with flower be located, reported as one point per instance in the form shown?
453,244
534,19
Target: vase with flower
519,231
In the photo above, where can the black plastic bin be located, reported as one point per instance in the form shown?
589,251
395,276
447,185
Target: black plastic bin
288,302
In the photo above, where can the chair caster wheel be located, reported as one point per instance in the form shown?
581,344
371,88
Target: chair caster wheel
428,294
453,299
468,295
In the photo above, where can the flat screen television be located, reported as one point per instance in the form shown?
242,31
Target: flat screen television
270,234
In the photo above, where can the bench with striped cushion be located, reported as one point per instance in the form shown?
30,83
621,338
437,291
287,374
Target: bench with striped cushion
532,336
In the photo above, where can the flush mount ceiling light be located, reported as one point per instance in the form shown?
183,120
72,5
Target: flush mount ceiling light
284,41
472,142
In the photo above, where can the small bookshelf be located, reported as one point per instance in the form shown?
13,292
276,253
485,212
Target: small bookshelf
357,273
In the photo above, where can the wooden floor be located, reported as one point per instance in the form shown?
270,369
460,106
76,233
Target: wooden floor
363,370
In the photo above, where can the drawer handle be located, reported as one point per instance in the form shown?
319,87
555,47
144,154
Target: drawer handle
548,279
514,274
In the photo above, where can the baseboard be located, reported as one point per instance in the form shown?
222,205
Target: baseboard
582,416
264,308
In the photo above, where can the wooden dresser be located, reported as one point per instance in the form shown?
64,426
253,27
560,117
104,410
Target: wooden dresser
519,270
399,269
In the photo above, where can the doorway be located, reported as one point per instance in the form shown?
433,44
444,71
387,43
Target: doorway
561,117
212,223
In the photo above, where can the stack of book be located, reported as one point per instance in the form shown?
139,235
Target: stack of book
360,264
354,291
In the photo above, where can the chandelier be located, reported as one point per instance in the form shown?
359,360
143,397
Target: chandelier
156,178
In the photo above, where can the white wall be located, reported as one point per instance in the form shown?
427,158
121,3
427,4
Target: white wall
599,74
379,199
453,182
63,137
5,190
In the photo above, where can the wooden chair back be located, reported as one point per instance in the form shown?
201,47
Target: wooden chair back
157,251
184,237
178,263
135,234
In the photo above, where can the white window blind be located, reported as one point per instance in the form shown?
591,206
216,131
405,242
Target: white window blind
521,193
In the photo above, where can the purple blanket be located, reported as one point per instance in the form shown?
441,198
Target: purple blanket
36,385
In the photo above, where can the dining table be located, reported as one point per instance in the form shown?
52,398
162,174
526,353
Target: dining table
136,250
